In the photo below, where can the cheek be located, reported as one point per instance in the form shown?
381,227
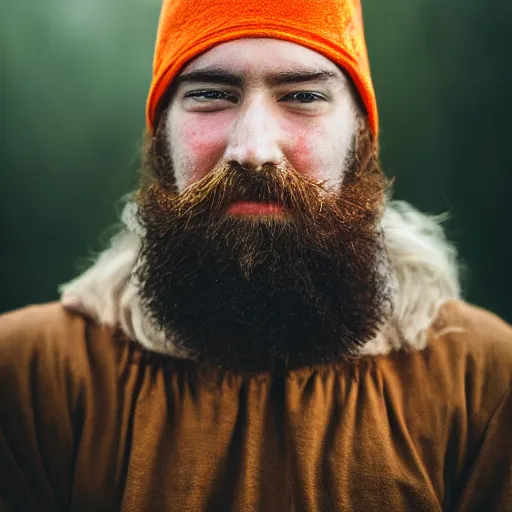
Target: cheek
310,151
318,149
200,143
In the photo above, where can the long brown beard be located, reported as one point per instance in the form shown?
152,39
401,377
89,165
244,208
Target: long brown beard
306,286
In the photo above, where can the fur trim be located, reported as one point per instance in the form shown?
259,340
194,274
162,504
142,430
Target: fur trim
425,268
423,264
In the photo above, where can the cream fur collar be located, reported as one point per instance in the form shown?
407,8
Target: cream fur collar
422,261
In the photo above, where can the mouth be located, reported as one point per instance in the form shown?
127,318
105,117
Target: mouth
255,208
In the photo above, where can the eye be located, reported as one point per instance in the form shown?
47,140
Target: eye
303,97
208,95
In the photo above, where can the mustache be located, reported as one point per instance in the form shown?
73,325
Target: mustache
360,198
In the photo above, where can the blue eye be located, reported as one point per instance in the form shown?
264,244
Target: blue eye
212,95
303,97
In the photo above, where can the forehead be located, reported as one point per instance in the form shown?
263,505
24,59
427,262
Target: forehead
253,56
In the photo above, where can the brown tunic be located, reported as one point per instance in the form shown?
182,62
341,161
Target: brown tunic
91,422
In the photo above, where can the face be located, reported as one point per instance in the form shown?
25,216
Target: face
235,104
252,251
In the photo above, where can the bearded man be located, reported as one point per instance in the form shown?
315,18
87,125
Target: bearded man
268,331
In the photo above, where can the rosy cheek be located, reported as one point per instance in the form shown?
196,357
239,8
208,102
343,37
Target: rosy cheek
203,141
304,152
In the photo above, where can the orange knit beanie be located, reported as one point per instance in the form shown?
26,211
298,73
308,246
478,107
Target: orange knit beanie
333,28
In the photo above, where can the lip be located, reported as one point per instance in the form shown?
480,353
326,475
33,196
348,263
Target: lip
255,208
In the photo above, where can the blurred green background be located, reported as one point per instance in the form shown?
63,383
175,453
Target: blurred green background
73,80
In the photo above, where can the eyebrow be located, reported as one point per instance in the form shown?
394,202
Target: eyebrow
225,77
299,76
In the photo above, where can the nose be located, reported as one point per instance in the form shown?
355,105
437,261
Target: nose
255,138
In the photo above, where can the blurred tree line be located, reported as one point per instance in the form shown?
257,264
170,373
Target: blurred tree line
74,77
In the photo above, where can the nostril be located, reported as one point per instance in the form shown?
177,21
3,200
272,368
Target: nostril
237,166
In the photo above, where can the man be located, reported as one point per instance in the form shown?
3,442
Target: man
267,331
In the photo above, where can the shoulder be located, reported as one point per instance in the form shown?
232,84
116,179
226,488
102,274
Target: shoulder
37,326
41,329
49,344
474,330
477,345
